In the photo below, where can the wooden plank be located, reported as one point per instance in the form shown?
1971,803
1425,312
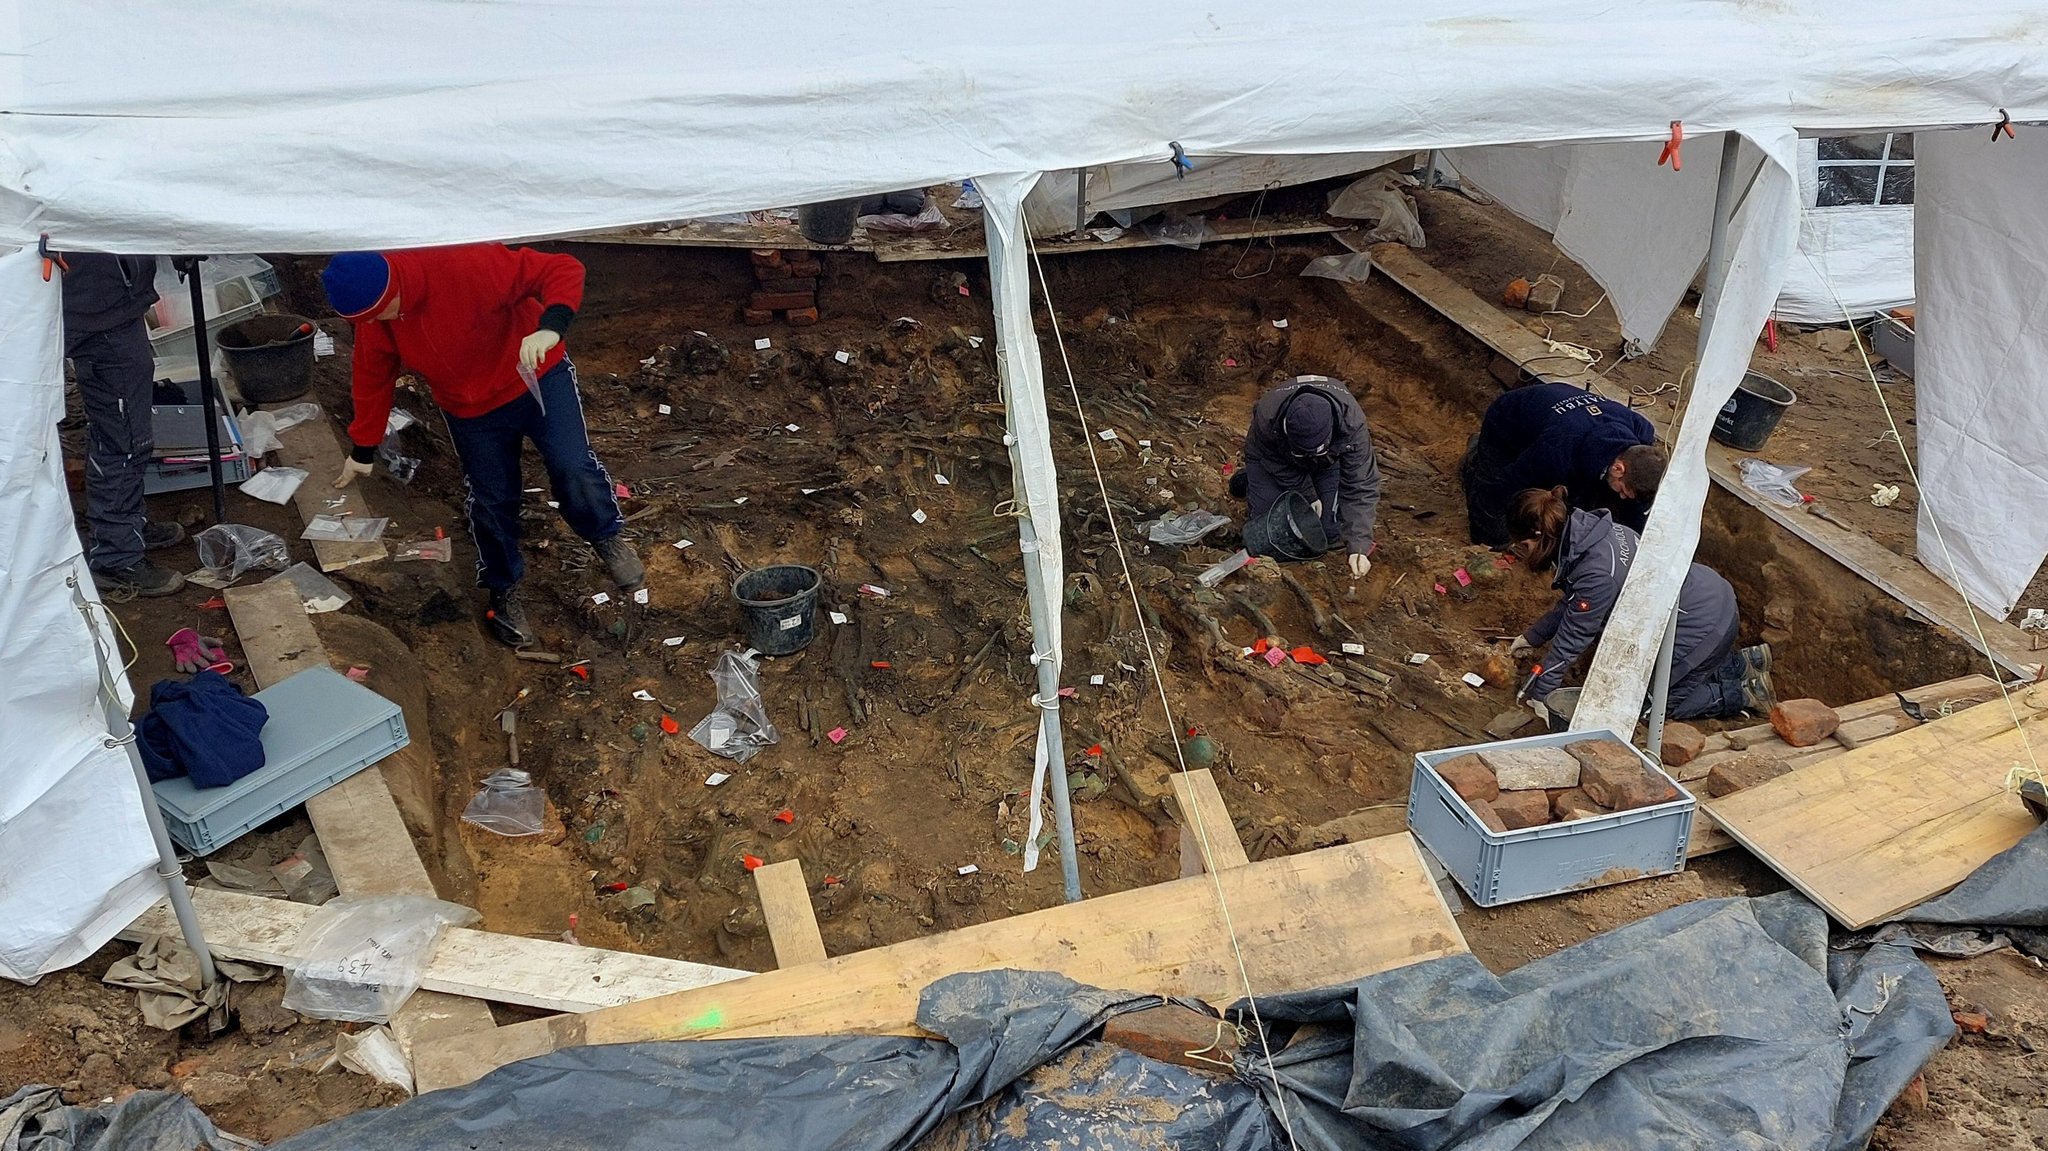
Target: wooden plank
1492,325
364,838
965,242
314,446
539,973
1195,792
786,906
1903,579
1302,921
1870,833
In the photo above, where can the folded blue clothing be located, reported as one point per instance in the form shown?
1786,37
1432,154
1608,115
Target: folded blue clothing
204,728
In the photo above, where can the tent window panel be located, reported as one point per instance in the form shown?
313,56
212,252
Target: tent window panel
1865,170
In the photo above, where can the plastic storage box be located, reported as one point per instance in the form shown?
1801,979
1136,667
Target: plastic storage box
323,728
1503,867
179,458
1894,341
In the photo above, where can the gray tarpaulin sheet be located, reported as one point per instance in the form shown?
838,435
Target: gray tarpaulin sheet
2003,902
35,1118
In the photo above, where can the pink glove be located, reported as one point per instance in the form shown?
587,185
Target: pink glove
193,652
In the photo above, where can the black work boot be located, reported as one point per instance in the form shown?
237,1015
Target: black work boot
159,534
621,561
1757,695
141,578
508,621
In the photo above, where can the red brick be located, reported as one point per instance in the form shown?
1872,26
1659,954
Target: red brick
1683,743
1573,803
755,317
777,301
1971,1022
1518,809
1615,777
1804,722
1169,1032
808,266
766,258
801,317
1732,775
1469,776
1487,815
788,284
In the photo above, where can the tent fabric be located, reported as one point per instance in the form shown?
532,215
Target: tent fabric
76,859
1981,361
1858,257
1050,207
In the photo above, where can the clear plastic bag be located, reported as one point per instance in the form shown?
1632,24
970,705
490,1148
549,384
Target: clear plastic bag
345,529
228,550
360,959
1376,197
275,485
508,804
1177,230
438,551
1184,528
1344,267
738,727
1773,482
316,591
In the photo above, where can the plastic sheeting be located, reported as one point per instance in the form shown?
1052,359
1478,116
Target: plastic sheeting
76,860
1981,360
1859,255
1049,209
2002,903
35,1118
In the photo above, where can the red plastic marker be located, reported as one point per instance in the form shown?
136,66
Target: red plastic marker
580,672
614,888
1307,655
879,664
669,724
833,881
785,816
1095,750
750,862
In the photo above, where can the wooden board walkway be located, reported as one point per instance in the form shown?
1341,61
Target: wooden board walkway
1303,921
962,243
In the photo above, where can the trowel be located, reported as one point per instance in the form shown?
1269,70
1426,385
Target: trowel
509,721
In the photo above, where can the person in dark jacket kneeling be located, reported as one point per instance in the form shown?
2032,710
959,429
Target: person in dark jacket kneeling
1308,435
1546,435
1591,555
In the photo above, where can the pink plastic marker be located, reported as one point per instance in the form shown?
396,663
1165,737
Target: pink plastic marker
1275,657
1463,577
1441,589
836,735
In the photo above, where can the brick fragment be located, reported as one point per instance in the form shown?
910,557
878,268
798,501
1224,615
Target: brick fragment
1732,775
777,301
1615,777
787,284
766,258
755,317
1804,722
801,317
1971,1022
1573,803
1169,1032
1682,744
1487,815
1531,768
1469,776
808,266
1519,809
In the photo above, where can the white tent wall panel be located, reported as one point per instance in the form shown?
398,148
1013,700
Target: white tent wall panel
1981,358
1049,210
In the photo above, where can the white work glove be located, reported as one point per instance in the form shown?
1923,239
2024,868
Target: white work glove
535,346
1520,645
1360,564
350,469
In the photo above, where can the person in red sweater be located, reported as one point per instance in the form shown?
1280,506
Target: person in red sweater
482,324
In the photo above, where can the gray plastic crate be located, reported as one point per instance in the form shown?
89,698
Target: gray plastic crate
1503,867
323,728
1894,341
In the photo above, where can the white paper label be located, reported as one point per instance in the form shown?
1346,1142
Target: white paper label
970,869
1096,680
554,504
790,624
673,641
1475,679
1420,657
838,617
715,778
640,595
1354,649
644,696
943,481
763,344
601,597
664,409
974,341
738,500
791,428
1106,434
1279,323
1144,443
918,515
843,357
681,544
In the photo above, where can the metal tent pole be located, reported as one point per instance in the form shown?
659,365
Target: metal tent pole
121,734
1710,303
208,392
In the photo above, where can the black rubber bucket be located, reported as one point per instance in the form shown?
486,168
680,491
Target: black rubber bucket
1290,530
1752,413
1561,704
829,223
271,357
780,606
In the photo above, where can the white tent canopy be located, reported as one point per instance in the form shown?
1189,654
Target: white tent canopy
244,126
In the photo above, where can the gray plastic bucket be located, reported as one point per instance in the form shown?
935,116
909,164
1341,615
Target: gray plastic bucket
1561,704
1752,413
780,606
1290,530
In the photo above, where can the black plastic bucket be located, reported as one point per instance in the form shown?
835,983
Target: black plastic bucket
1290,530
1561,704
780,606
271,357
1752,413
831,222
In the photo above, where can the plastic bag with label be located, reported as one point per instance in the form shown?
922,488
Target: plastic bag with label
738,726
1773,482
360,959
1376,197
508,804
228,550
1184,528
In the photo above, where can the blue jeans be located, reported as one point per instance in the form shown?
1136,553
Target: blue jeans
490,445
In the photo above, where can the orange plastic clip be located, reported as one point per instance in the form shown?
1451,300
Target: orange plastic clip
2003,127
1671,147
50,258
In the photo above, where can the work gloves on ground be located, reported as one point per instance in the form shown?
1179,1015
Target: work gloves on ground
1360,564
1520,645
536,346
350,469
193,652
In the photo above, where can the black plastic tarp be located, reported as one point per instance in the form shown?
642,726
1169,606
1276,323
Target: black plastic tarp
35,1118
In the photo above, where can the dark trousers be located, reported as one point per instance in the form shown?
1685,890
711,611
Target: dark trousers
1706,679
116,371
1487,494
490,445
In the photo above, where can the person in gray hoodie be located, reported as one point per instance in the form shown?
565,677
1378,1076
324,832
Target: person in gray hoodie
1591,555
1308,435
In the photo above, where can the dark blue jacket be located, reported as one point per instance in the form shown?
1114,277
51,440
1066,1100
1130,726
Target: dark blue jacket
1552,434
1347,481
103,292
1593,558
203,727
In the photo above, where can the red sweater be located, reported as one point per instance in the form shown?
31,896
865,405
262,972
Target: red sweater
462,313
